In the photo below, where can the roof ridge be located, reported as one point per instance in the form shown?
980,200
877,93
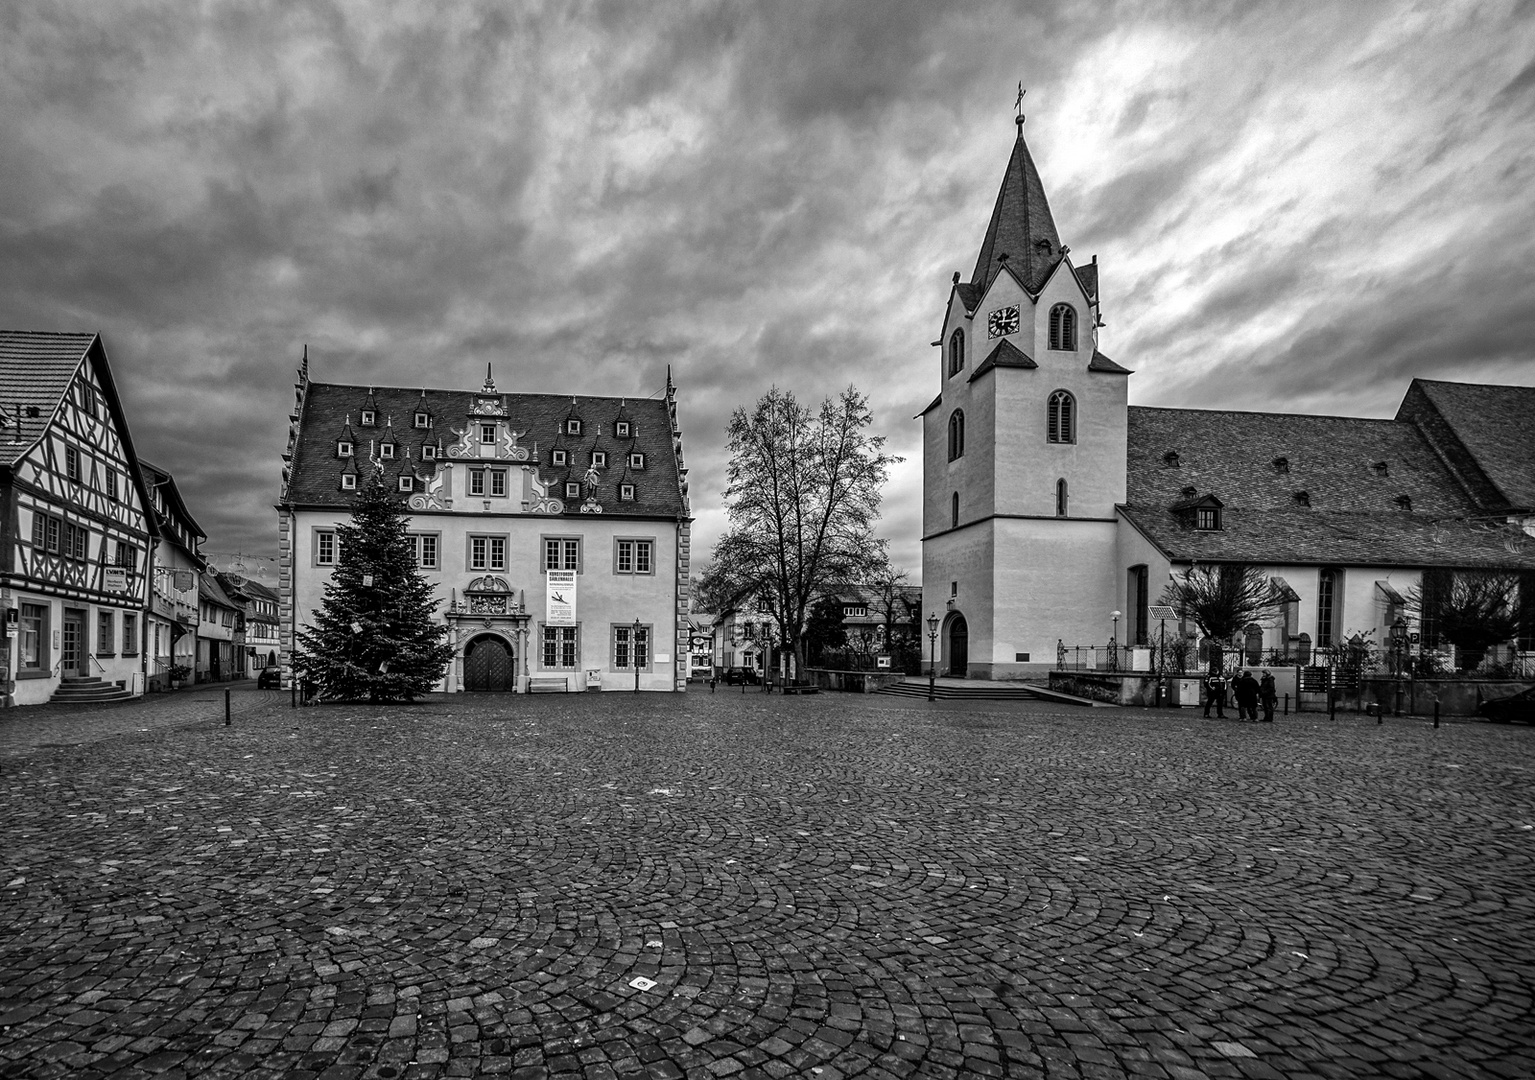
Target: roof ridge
1273,415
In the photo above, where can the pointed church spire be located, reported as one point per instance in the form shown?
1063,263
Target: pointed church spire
1022,232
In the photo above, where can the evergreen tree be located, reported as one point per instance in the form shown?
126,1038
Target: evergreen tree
374,636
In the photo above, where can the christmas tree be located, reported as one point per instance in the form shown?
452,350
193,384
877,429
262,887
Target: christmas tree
373,635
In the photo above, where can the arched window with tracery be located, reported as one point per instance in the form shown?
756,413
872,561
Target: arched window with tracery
956,435
1063,327
956,352
1061,425
1060,498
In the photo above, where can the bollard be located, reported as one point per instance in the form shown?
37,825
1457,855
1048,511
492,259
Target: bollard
1436,714
1332,705
1287,704
1380,714
292,692
226,706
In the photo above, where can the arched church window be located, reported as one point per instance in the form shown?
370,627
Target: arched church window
1061,426
956,352
954,511
1063,327
956,435
1060,498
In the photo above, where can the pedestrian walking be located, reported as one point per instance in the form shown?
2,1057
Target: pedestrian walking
1268,695
1215,694
1247,697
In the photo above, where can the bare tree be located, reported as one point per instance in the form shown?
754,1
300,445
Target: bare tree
1222,599
803,495
1470,609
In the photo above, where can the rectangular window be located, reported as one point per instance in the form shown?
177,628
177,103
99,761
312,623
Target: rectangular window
636,461
631,647
573,490
54,528
428,452
112,484
407,483
560,651
625,492
39,530
77,542
386,451
324,547
127,556
487,553
488,434
348,481
562,553
556,457
422,420
477,481
498,483
105,638
33,637
130,634
343,449
72,462
1209,519
426,550
855,611
633,556
572,427
600,459
621,429
368,417
228,617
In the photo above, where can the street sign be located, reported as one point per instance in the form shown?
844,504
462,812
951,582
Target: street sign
1161,611
1414,638
116,579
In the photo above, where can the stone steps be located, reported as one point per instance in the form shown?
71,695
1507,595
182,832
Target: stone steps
87,690
981,691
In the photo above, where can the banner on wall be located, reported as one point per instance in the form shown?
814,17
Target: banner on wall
560,608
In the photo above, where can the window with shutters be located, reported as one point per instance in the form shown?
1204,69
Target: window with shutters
1061,419
1063,327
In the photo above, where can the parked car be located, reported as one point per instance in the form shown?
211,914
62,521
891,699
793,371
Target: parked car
1520,706
737,675
270,678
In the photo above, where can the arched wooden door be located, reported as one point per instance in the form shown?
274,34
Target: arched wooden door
489,665
959,647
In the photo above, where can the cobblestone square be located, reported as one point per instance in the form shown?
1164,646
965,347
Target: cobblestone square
741,885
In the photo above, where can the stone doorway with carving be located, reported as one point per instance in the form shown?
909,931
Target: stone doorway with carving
489,665
489,622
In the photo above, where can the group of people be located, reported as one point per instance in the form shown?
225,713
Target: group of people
1250,693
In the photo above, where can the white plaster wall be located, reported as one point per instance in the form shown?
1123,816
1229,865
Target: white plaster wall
963,557
1055,579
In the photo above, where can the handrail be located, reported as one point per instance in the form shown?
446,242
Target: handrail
97,662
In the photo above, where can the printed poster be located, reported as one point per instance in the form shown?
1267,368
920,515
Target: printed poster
560,609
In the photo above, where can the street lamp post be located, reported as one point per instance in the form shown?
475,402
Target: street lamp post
1114,643
932,655
634,653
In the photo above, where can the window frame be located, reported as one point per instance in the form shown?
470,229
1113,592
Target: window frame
419,544
406,483
620,635
556,457
636,460
487,434
348,481
1207,519
1063,328
72,463
111,477
106,632
318,546
423,420
562,539
559,639
33,620
621,429
344,448
625,492
572,426
497,483
956,351
634,545
386,451
572,489
130,633
1061,418
428,452
1062,498
477,483
493,542
956,434
369,418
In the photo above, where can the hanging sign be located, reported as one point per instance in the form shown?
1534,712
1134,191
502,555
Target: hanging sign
181,580
116,579
560,609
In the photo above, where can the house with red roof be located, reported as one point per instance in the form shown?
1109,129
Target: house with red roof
1055,513
555,528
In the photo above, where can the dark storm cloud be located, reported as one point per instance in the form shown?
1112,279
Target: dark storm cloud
1307,210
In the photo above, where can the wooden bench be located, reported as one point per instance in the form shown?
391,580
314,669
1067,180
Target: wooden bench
548,686
801,688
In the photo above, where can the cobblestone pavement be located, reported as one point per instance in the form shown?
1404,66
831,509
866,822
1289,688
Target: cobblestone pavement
747,886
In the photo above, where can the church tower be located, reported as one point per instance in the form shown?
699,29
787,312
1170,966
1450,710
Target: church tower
1023,449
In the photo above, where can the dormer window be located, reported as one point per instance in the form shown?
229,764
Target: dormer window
1207,519
573,491
343,449
626,492
386,451
636,461
572,427
423,420
1170,459
428,452
369,417
556,457
348,481
855,611
1063,327
1381,468
1302,498
599,459
487,434
1281,465
1199,512
1405,502
621,429
407,483
1190,492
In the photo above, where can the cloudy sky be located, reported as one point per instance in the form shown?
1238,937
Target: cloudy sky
1295,206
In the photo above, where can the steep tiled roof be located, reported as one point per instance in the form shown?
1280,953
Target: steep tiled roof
1099,362
314,477
209,589
1493,423
1007,355
1021,227
36,369
154,477
969,295
1354,473
1088,276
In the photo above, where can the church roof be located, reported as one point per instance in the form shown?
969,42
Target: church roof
1492,425
1099,362
1306,489
1021,229
1006,354
315,468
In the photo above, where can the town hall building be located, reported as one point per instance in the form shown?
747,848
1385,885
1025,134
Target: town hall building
1055,513
554,528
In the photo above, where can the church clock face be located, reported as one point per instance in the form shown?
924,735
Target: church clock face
1002,321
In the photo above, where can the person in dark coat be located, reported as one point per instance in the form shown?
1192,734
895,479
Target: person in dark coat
1268,695
1247,697
1215,694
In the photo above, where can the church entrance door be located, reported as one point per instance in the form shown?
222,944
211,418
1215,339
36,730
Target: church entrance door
959,647
488,665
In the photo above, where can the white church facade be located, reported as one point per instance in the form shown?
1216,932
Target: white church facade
1050,504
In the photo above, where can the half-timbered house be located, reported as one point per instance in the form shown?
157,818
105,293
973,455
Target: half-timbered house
74,550
178,565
